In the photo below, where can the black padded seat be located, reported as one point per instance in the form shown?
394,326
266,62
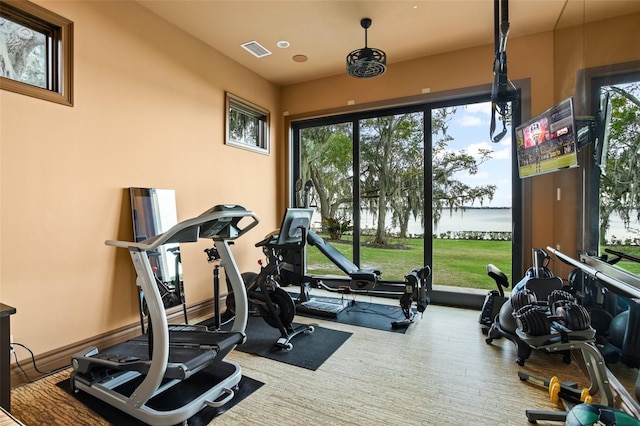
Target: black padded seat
348,267
543,287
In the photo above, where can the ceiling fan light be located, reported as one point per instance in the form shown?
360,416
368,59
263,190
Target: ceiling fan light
366,62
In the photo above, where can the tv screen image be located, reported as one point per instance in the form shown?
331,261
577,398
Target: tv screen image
547,142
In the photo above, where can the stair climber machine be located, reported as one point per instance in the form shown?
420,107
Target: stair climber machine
169,374
414,288
495,298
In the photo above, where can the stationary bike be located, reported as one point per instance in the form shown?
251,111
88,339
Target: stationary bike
267,298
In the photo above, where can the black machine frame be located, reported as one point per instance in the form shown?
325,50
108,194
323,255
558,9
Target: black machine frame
266,297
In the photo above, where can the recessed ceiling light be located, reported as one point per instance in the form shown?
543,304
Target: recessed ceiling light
299,58
282,44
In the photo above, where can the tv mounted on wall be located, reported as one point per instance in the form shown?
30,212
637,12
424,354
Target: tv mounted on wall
548,142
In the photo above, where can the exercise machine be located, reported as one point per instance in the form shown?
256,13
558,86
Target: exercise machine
412,291
169,374
539,283
561,324
627,285
266,297
494,299
609,313
171,292
366,281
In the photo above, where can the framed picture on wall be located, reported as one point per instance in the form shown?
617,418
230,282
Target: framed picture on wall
247,125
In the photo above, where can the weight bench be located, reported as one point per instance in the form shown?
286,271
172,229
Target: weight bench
360,278
364,281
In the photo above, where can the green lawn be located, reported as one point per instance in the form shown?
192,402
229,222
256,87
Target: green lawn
458,263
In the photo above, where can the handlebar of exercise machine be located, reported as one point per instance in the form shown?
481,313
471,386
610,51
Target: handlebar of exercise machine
218,223
616,279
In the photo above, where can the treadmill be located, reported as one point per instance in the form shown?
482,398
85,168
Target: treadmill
169,374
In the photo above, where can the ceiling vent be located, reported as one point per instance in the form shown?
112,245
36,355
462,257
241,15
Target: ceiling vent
368,61
256,49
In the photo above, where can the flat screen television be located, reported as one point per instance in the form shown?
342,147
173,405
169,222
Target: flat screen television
548,142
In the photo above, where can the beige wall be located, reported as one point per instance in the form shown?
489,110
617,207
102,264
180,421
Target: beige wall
148,111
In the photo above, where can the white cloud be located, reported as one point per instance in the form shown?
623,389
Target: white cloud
481,108
501,151
474,115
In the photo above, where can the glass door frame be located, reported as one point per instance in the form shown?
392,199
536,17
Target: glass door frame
457,97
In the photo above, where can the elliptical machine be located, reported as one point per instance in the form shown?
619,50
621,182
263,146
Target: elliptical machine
540,283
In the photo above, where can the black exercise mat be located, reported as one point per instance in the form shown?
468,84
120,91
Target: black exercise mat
364,314
309,351
116,417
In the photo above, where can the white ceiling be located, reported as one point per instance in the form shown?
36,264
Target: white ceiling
327,30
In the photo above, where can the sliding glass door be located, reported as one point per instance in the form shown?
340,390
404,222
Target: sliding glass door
326,184
472,197
392,191
385,182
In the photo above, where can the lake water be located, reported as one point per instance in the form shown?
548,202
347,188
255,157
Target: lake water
496,220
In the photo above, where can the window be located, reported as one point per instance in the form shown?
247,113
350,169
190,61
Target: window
389,188
247,125
610,215
35,52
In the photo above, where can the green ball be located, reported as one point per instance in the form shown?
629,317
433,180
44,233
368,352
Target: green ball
594,414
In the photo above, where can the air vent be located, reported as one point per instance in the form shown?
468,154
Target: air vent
256,49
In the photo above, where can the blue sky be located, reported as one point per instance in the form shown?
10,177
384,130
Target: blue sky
470,130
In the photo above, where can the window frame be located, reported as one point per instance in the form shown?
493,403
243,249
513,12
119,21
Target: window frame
426,103
60,51
590,80
261,143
